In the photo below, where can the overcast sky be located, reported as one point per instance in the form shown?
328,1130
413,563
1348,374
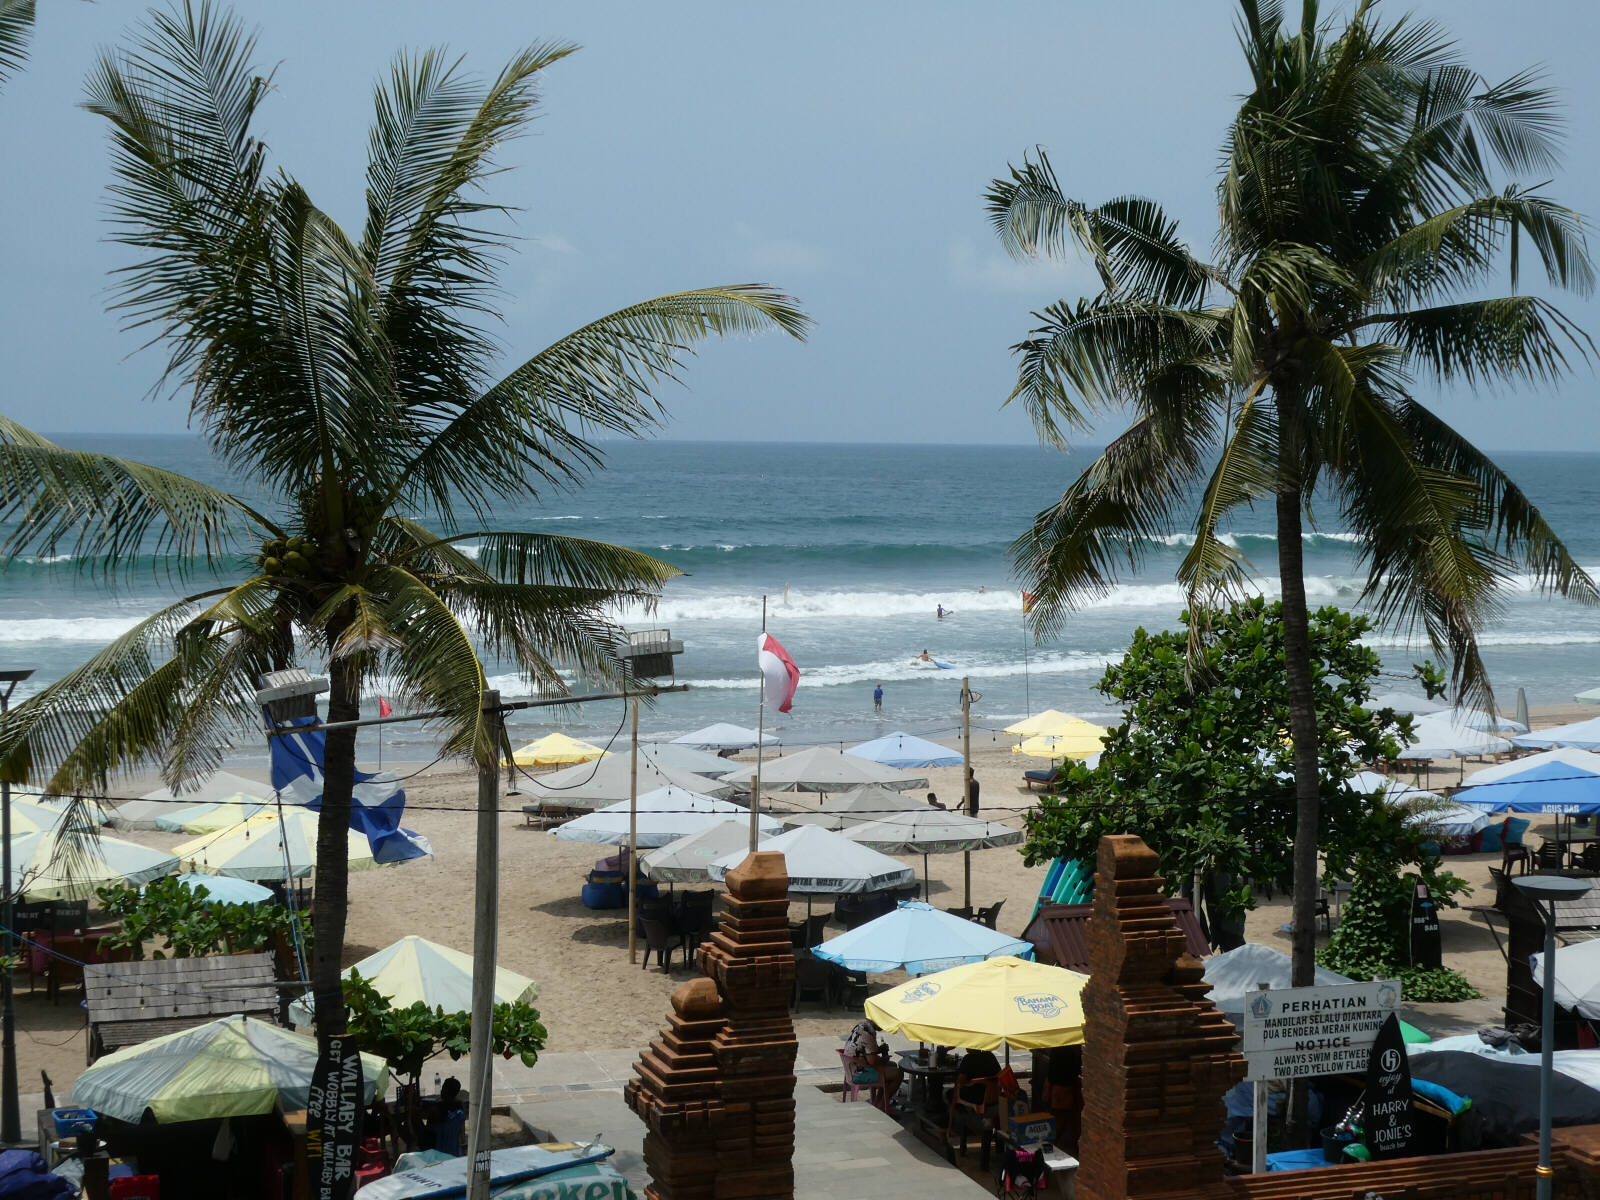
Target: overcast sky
838,150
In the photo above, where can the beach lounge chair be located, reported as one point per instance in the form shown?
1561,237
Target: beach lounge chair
1043,778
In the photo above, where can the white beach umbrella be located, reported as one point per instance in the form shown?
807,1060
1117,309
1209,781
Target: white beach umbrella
663,816
1592,696
932,831
212,815
684,758
1233,976
219,785
824,769
41,870
265,847
1451,735
609,780
856,807
415,970
1371,783
821,862
723,736
1577,977
1583,735
1581,762
688,859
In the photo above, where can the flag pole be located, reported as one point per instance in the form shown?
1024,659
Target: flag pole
761,737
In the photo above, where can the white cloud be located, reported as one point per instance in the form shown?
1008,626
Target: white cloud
774,256
554,243
994,271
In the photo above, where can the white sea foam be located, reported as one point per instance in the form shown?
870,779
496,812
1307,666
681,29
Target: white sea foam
847,674
67,629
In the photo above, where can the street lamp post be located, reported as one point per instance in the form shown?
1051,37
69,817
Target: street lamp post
10,1107
1548,889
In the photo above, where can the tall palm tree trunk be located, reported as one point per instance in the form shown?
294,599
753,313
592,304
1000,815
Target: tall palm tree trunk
1303,733
333,829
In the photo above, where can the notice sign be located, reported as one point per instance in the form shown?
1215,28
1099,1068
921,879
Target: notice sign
1388,1129
333,1119
1293,1033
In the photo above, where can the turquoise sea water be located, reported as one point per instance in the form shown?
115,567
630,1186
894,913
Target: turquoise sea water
855,547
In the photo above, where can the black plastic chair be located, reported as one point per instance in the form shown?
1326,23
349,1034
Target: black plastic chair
697,918
850,987
812,977
988,916
661,938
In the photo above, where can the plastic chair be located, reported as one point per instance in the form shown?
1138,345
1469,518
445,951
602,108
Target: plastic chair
663,940
989,916
877,1090
697,917
1021,1172
812,977
972,1112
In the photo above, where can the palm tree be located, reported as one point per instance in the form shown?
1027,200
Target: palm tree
16,27
1359,216
350,382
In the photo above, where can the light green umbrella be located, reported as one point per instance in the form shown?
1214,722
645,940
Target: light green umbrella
266,848
42,870
232,1067
416,969
212,816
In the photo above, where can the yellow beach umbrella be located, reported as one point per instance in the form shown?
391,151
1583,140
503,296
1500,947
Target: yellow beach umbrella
984,1005
1053,734
555,749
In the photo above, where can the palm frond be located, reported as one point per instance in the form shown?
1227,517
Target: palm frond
1484,341
542,558
537,423
1246,471
106,510
16,28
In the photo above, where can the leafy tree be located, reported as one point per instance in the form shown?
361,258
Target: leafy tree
192,925
1368,196
1202,767
350,380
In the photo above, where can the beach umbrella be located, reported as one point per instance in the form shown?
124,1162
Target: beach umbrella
1523,718
212,815
1453,820
686,758
1404,703
265,847
231,1067
27,817
415,969
555,749
1592,696
932,831
1371,783
219,785
1563,781
662,816
1451,735
919,939
856,807
824,769
225,890
1233,975
723,736
1078,745
610,780
985,1005
906,750
821,862
1582,735
42,869
688,859
1054,723
1577,977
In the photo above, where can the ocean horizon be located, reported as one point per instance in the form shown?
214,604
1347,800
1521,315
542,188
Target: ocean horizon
855,547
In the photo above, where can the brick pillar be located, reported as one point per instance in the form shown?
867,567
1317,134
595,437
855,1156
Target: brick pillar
716,1089
1157,1055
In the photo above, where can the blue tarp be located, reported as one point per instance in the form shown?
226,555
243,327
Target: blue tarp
906,750
1550,787
377,805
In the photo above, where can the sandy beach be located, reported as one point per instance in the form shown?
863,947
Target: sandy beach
592,998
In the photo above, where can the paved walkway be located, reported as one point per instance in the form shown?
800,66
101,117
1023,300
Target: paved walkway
842,1151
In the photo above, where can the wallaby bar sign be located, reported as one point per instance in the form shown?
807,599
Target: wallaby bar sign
333,1119
1426,950
1293,1033
1390,1120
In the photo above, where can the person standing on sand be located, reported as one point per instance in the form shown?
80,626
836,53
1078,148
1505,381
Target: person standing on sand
877,699
972,793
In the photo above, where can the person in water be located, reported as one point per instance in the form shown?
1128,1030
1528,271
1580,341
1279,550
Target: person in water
941,612
925,657
877,698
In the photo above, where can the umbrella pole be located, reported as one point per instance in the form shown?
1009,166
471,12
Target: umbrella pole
761,737
925,889
633,838
966,762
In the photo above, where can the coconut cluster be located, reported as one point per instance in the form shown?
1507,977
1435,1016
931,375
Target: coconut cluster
287,556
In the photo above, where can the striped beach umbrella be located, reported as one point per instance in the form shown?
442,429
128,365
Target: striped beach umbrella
415,969
267,848
43,869
211,816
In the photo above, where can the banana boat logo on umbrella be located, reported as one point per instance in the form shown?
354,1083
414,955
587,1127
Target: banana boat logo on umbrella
1041,1004
925,990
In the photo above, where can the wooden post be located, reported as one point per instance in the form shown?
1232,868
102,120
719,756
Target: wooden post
485,930
966,781
633,839
1258,1122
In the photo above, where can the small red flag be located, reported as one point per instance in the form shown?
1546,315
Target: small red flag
1027,602
383,707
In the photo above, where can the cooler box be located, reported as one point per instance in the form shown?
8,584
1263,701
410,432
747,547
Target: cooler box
1030,1128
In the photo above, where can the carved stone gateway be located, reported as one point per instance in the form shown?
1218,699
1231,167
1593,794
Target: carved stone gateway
716,1089
1157,1055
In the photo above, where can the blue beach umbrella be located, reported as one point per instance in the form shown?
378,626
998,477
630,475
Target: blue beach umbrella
919,938
907,750
1559,781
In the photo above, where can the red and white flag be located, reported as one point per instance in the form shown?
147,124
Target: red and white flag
779,675
383,707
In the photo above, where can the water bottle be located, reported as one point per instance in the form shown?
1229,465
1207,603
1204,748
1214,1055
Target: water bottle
438,1087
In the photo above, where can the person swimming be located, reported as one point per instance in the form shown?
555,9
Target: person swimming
940,613
924,657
